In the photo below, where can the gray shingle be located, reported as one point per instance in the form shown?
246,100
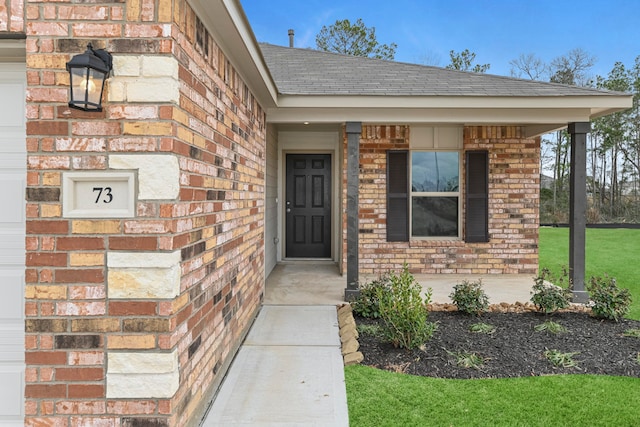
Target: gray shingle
312,72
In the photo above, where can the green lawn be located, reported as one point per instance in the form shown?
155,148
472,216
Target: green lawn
379,398
615,252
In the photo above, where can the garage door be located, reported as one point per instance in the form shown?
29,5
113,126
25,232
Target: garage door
12,236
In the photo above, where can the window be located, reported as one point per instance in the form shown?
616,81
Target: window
424,198
435,193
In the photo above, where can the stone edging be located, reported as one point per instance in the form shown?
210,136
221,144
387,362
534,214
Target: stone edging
349,336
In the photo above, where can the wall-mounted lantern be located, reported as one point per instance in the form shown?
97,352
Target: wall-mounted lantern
87,74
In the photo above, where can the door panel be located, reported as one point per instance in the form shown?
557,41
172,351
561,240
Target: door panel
12,237
308,206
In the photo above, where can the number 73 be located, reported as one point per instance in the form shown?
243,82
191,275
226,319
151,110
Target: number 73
104,194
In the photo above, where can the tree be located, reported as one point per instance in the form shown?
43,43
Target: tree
529,66
572,68
463,61
353,39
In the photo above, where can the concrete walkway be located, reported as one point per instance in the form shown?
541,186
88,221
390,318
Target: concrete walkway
289,371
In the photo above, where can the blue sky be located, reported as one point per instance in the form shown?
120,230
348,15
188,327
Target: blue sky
496,30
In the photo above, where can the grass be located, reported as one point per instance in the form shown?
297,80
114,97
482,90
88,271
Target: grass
465,359
611,251
558,358
482,328
380,398
632,333
551,327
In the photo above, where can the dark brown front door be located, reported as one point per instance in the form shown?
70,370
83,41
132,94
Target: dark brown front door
308,206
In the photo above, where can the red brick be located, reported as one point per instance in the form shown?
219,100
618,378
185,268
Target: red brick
48,94
48,162
80,276
86,391
132,308
83,12
46,259
45,357
142,243
47,227
40,29
92,29
47,128
96,128
40,391
79,374
79,243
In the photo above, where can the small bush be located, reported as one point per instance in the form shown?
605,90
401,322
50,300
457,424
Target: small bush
403,311
469,297
549,298
367,304
609,301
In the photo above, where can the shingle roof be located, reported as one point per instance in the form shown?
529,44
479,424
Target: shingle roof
312,72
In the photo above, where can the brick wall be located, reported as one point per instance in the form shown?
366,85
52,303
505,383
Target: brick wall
12,16
133,321
513,207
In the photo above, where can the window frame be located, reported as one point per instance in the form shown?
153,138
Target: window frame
459,194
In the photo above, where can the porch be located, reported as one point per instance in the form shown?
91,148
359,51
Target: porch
320,283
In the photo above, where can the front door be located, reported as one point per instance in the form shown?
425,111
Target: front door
308,206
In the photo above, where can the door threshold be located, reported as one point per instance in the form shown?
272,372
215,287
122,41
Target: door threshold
307,261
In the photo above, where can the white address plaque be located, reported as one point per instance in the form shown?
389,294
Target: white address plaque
99,194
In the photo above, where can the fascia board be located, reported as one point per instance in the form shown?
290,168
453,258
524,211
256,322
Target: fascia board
227,23
599,103
429,115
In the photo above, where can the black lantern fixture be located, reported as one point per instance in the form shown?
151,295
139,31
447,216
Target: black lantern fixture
87,74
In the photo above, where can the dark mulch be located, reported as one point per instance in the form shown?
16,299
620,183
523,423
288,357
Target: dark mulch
515,349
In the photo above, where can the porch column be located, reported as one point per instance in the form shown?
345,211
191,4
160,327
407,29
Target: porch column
354,130
578,209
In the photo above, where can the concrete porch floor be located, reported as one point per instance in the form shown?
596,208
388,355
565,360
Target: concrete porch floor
320,283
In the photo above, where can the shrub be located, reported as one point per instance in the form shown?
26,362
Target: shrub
609,301
367,305
403,311
549,298
469,297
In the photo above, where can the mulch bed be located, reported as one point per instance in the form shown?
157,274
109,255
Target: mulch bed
514,349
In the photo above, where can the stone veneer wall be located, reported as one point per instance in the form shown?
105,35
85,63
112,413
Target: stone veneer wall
514,181
133,321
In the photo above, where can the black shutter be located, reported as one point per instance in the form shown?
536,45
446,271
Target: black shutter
477,197
397,196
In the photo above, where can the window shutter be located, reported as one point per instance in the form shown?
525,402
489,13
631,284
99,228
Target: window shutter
477,197
397,196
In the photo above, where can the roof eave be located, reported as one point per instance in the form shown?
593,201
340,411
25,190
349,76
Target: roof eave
538,115
227,23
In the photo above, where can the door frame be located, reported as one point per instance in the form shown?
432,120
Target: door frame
287,216
300,142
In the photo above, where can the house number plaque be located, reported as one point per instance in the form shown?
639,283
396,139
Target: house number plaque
98,194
